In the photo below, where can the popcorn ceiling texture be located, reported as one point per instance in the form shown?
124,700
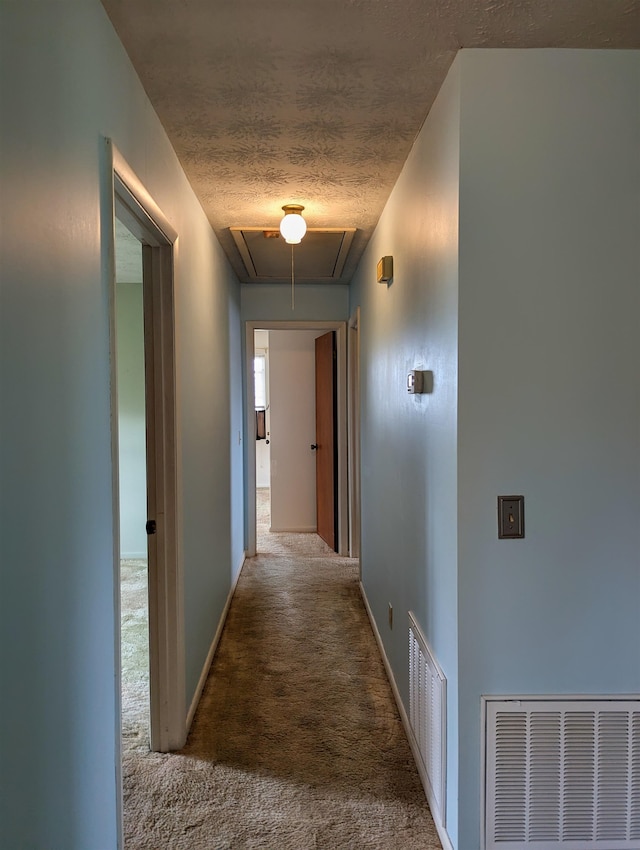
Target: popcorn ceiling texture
319,102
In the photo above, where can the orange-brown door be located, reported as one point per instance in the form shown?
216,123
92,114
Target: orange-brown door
326,451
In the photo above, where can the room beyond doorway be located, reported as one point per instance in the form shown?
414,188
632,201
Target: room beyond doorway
341,399
132,472
131,204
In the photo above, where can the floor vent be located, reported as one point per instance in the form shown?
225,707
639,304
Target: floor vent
562,774
427,716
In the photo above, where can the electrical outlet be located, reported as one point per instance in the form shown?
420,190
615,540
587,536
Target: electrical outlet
390,616
510,517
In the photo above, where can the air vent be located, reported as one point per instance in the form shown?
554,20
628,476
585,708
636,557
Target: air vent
319,257
562,773
427,717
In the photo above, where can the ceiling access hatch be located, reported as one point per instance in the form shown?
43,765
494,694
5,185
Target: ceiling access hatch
319,258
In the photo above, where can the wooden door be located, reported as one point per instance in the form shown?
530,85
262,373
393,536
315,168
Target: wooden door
326,442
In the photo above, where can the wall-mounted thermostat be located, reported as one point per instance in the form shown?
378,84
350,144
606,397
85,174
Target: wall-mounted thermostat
385,269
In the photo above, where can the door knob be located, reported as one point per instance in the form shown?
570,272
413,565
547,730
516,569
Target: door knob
151,526
314,446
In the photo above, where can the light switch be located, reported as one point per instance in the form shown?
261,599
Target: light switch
510,517
419,381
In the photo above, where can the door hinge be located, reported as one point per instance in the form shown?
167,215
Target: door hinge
151,526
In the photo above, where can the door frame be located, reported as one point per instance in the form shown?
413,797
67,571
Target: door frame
326,450
340,327
353,355
127,196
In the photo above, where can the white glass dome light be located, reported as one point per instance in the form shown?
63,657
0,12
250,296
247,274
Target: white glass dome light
293,226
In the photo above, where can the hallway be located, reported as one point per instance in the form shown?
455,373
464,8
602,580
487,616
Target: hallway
297,742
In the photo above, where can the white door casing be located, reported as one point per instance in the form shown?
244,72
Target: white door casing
142,216
250,426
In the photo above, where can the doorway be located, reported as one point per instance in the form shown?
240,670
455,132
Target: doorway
288,486
263,428
156,522
325,447
315,329
354,433
132,471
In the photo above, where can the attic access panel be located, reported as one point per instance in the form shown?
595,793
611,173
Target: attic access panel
267,258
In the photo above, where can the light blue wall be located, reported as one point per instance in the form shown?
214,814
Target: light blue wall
314,302
408,443
548,381
131,420
292,423
527,309
236,350
66,82
210,524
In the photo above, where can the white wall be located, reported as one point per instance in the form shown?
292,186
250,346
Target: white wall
408,443
263,447
65,82
549,383
131,420
293,429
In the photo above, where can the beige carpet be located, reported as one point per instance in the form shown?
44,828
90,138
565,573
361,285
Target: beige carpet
297,743
134,641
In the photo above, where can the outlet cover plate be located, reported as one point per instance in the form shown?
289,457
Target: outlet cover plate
510,517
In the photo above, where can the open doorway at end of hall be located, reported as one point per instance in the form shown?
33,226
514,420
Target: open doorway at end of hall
285,408
281,407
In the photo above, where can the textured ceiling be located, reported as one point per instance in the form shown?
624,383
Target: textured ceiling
317,102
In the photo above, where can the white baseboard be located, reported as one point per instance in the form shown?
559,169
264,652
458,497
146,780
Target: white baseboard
212,651
133,556
305,530
442,832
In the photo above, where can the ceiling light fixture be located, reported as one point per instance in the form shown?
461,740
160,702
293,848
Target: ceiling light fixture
293,227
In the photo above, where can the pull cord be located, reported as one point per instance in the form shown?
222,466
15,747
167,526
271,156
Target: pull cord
293,297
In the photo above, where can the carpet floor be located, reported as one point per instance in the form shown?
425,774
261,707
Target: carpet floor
134,642
297,742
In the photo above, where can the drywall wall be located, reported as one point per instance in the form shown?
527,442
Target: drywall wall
65,83
314,302
408,443
131,420
207,385
236,430
527,310
549,400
